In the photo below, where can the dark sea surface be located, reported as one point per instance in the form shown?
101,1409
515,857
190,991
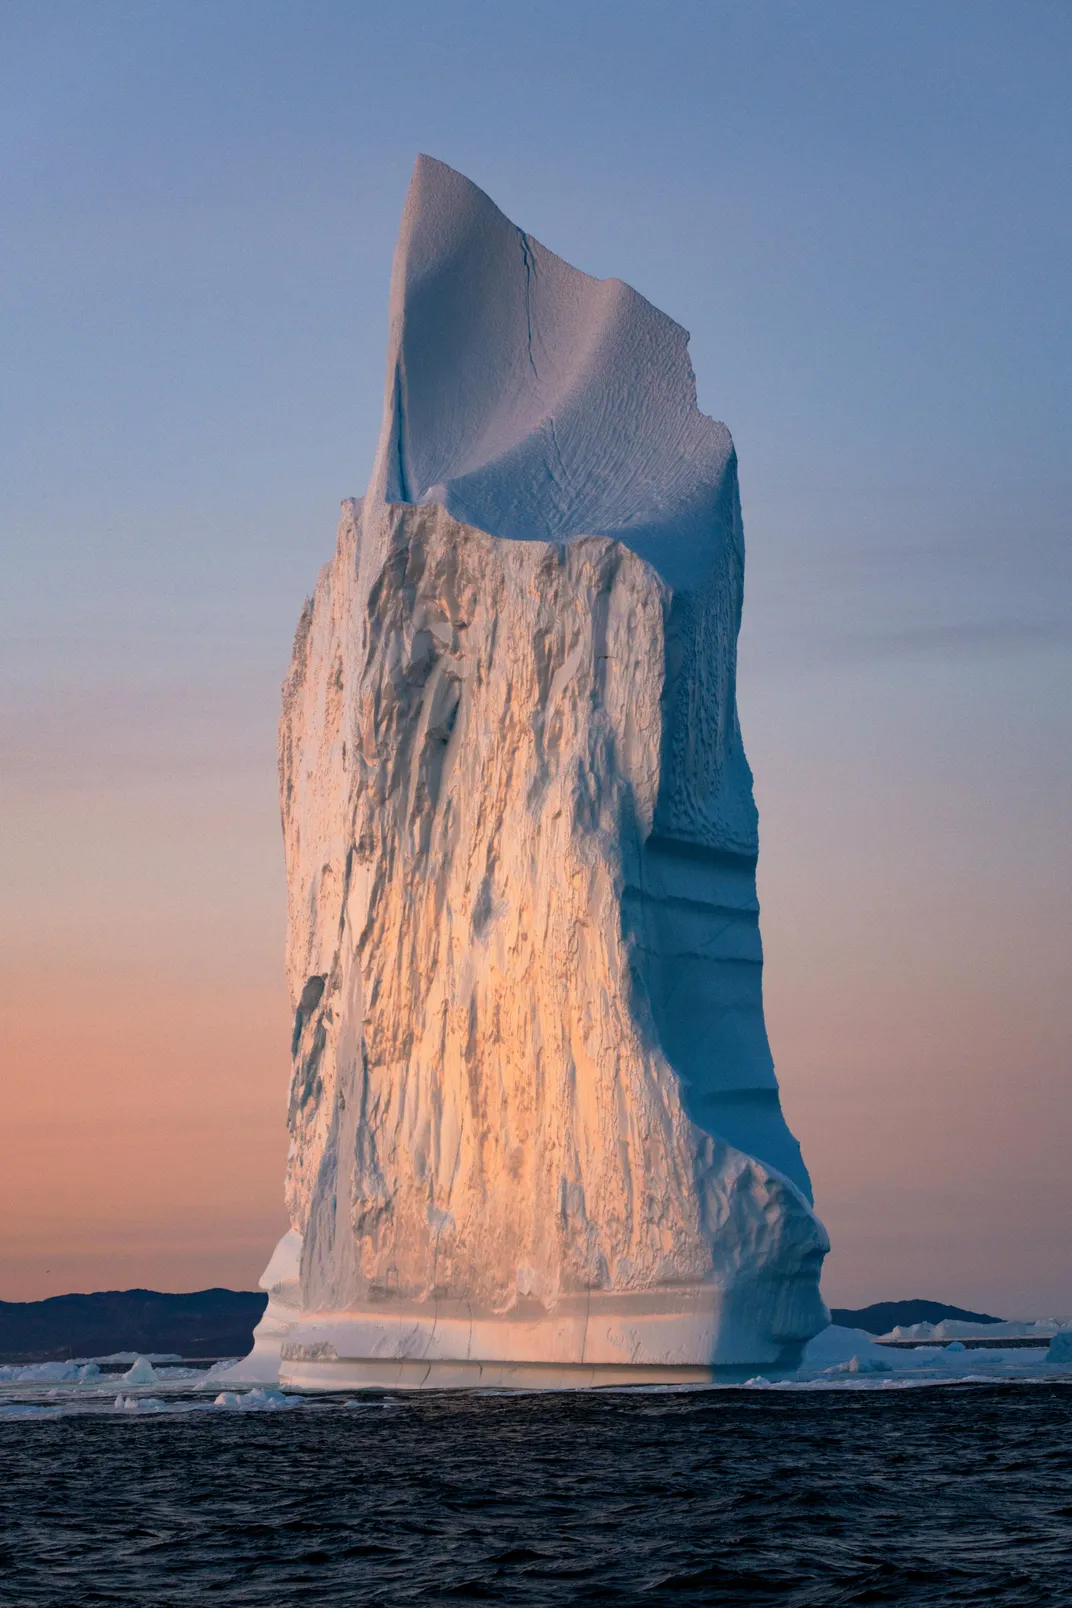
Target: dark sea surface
943,1495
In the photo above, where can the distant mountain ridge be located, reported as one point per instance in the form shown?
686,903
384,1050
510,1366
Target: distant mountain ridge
200,1323
882,1316
220,1323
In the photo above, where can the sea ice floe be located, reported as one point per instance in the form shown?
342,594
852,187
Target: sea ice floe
256,1400
139,1404
838,1352
48,1373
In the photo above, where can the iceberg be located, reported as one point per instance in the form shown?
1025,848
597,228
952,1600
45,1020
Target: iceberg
49,1373
841,1350
1060,1351
844,1358
536,1136
957,1329
141,1373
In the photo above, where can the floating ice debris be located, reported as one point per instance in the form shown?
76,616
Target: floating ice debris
48,1373
142,1373
256,1400
140,1404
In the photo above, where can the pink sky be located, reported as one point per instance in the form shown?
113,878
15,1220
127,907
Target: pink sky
916,994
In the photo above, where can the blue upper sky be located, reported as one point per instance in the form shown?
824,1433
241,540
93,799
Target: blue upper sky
862,214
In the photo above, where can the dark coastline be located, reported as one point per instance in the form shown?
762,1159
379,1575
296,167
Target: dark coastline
220,1323
198,1324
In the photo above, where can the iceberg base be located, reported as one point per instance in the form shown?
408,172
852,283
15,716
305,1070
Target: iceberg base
682,1336
385,1373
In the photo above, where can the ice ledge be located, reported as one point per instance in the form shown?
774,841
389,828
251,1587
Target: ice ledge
687,1334
697,1329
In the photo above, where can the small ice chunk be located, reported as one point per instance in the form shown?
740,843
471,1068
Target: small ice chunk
269,1399
142,1373
870,1364
258,1400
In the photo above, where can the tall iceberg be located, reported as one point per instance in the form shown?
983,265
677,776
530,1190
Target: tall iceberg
536,1134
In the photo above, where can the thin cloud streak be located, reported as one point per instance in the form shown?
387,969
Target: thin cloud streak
974,637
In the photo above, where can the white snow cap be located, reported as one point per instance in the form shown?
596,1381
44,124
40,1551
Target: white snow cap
538,403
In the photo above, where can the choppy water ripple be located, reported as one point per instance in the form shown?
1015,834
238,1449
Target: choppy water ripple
956,1496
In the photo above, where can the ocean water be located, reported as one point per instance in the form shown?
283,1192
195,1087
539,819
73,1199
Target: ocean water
949,1494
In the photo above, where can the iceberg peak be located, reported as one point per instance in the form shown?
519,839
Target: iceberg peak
538,403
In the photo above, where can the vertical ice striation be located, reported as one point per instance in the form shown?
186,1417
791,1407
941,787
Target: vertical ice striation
536,1135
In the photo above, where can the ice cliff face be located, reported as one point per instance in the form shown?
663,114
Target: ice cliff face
530,1066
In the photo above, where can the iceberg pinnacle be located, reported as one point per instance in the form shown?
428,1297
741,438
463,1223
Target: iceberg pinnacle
536,1133
537,403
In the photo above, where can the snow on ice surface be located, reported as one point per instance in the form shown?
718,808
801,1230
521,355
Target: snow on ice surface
538,403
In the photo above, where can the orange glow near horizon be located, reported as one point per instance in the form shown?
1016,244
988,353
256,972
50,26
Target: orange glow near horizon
147,1136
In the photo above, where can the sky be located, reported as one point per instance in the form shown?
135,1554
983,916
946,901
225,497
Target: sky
862,215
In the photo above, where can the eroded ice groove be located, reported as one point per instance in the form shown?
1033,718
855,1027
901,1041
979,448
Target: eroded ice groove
535,1123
